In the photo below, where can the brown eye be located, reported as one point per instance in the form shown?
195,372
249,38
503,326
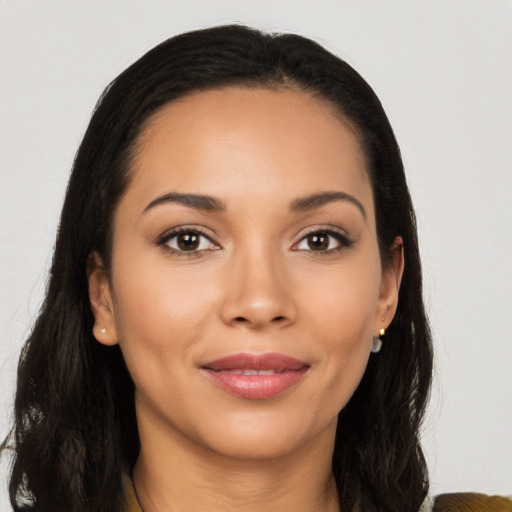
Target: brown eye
318,241
323,242
188,241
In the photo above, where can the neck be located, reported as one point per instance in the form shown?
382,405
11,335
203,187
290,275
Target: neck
174,474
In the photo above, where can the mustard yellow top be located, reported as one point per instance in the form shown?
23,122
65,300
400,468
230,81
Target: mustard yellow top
132,505
472,502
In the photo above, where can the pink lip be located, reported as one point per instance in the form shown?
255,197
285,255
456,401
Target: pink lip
280,373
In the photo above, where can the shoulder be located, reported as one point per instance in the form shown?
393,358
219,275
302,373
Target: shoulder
470,502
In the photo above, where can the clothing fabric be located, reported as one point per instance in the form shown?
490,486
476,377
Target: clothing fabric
132,504
472,502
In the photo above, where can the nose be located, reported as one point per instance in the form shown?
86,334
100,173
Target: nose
258,295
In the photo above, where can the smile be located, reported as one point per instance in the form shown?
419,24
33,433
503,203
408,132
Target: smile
256,377
251,372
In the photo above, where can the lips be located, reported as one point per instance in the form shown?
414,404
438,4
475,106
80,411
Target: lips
255,377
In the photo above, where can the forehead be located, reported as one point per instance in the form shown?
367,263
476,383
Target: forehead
241,140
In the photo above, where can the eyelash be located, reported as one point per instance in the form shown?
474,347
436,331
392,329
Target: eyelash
166,237
342,240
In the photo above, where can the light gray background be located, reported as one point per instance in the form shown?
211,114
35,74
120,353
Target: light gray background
443,70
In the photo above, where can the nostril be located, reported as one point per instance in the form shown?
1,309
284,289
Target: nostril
242,319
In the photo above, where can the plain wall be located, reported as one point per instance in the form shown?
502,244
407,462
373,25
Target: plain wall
443,70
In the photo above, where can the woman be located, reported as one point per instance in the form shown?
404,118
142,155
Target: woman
234,315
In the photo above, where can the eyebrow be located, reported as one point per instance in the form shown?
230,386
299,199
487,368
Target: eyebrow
198,201
212,204
317,200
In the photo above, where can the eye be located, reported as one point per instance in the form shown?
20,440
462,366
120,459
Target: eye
187,241
323,241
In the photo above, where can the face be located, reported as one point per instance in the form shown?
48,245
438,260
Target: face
246,284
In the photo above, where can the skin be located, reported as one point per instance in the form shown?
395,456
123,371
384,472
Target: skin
255,284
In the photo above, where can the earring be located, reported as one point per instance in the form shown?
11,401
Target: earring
377,342
103,331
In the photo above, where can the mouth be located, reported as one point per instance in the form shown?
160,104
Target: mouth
256,377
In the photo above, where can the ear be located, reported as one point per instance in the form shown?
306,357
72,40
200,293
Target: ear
100,298
390,286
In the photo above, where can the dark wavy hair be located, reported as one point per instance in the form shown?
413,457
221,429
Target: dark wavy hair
75,432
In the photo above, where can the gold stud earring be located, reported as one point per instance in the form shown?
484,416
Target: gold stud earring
382,332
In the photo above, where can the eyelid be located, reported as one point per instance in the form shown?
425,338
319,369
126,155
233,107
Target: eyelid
164,238
340,234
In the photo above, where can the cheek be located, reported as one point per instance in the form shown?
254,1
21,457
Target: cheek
342,323
155,302
159,315
158,327
344,302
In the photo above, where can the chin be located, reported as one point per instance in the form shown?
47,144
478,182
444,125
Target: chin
260,438
255,446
